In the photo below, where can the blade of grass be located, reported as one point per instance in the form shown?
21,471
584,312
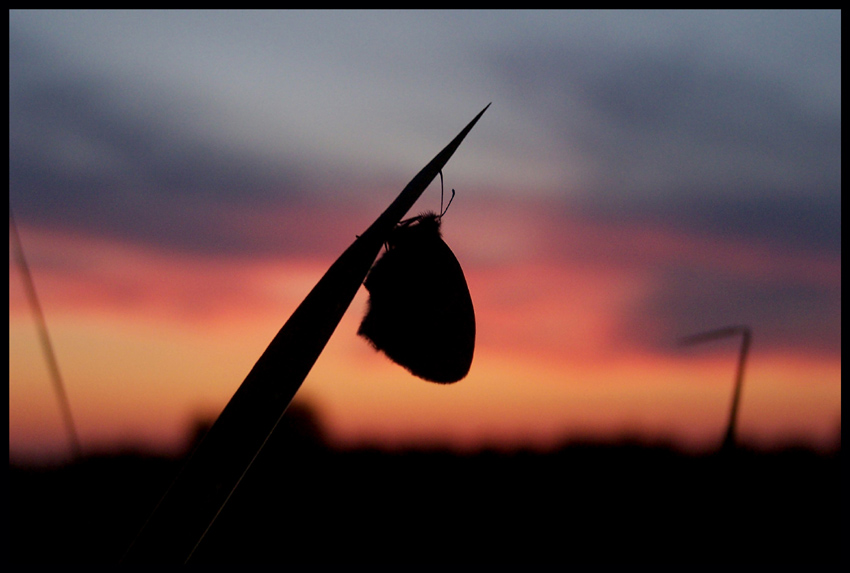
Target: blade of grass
215,468
46,345
729,438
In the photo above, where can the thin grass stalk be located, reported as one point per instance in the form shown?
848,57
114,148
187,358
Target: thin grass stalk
46,345
728,443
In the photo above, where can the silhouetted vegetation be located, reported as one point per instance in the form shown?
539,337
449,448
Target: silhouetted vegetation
302,502
219,462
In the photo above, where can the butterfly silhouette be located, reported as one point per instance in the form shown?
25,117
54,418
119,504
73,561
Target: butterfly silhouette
420,311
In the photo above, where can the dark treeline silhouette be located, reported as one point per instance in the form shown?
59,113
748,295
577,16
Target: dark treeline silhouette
303,502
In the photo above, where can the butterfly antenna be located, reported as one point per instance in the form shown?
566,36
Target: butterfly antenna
441,192
443,211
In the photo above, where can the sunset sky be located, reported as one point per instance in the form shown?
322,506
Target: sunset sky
181,180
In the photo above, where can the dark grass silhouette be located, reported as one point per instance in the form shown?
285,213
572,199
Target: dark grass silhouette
728,443
221,460
303,502
44,338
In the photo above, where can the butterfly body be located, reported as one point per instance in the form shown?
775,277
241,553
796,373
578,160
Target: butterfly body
420,311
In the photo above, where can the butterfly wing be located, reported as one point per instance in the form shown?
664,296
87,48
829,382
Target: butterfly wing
420,312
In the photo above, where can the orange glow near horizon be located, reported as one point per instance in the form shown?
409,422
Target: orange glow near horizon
147,341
